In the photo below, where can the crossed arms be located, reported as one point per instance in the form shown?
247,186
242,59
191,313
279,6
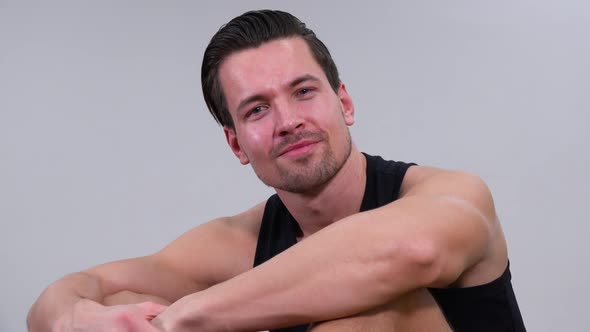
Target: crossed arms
442,230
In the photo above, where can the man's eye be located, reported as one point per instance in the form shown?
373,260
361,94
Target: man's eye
255,110
303,91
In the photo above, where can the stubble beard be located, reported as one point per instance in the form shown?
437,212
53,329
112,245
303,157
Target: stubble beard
311,172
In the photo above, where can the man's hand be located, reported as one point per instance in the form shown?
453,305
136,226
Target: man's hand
172,319
90,316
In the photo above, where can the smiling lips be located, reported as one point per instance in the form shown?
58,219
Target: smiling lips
298,149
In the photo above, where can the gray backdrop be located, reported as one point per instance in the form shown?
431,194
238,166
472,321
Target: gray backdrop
107,150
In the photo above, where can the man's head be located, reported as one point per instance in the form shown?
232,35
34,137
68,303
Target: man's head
281,104
251,30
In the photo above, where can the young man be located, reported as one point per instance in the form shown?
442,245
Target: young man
350,242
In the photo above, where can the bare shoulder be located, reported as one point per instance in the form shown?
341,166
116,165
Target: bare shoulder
217,250
459,186
453,183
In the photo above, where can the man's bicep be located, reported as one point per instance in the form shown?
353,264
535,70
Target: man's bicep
207,254
148,276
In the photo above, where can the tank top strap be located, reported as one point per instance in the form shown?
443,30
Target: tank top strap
278,231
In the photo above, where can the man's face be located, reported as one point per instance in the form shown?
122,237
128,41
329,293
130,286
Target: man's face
289,123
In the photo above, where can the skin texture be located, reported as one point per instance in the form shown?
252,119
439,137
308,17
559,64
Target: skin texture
292,128
270,116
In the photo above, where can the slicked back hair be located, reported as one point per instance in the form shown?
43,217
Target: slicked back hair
250,30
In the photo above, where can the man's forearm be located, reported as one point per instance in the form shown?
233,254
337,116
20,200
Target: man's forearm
339,271
60,297
322,278
349,267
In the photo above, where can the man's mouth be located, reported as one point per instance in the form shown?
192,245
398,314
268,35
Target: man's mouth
298,149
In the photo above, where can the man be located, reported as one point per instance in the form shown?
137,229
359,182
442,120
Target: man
350,242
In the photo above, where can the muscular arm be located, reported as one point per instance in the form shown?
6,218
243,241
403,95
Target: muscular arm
99,285
441,227
208,254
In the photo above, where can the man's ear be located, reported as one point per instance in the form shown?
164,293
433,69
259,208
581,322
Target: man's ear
347,105
232,141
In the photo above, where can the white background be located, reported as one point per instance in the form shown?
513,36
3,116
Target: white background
107,150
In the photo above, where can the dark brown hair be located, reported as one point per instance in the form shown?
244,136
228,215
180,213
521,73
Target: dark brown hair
251,30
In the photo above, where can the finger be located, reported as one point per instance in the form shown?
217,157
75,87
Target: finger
141,325
131,319
157,322
151,309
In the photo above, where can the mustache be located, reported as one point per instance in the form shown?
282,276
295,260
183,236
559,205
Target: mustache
293,139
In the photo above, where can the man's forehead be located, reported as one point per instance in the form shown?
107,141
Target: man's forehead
271,65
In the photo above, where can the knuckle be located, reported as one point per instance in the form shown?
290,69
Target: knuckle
123,317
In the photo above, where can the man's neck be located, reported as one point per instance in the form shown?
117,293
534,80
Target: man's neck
340,197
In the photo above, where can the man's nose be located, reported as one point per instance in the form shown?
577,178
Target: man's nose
289,119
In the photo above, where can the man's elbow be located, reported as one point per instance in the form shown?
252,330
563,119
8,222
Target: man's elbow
408,265
425,263
419,263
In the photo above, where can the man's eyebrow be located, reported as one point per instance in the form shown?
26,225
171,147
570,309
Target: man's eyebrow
292,84
303,78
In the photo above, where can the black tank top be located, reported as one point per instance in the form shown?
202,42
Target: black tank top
491,307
